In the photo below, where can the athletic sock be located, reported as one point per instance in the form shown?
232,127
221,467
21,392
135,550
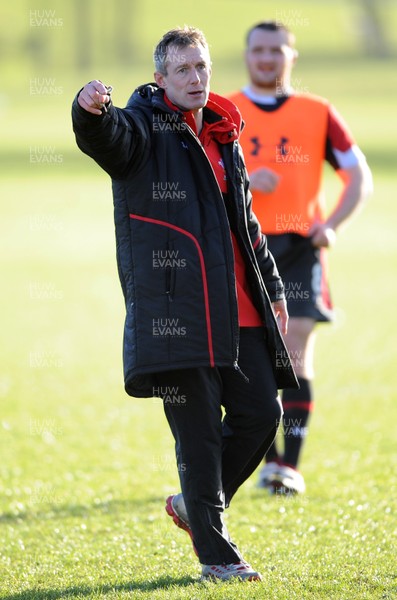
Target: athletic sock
297,405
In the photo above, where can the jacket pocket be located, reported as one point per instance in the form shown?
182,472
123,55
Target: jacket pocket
170,277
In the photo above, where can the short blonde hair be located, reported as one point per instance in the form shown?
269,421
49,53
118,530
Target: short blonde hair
180,37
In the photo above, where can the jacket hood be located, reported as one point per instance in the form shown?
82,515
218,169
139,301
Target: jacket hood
226,108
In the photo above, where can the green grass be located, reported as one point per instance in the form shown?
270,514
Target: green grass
85,469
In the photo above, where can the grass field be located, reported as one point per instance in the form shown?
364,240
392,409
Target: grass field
85,469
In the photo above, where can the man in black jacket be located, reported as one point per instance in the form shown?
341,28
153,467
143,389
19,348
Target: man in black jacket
202,291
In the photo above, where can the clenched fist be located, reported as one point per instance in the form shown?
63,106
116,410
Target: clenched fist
94,96
264,180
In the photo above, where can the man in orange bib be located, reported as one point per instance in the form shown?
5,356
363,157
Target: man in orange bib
286,139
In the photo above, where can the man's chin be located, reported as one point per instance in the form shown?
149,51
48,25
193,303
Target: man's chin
270,84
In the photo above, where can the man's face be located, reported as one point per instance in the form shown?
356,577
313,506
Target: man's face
187,82
269,58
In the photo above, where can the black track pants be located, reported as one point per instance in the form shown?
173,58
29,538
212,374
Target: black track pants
215,457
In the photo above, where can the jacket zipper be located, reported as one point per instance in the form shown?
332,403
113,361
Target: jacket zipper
248,245
221,207
169,275
170,283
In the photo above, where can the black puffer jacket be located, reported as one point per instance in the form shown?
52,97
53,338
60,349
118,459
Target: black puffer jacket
174,248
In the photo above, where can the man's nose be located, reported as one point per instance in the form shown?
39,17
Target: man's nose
194,76
266,54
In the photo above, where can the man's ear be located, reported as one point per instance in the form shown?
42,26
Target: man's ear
160,79
295,57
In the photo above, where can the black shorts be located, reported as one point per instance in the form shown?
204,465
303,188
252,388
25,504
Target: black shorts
303,270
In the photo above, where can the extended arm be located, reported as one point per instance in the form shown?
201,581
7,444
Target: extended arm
357,186
115,138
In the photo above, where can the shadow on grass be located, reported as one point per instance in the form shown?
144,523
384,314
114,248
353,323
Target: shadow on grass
53,594
80,510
